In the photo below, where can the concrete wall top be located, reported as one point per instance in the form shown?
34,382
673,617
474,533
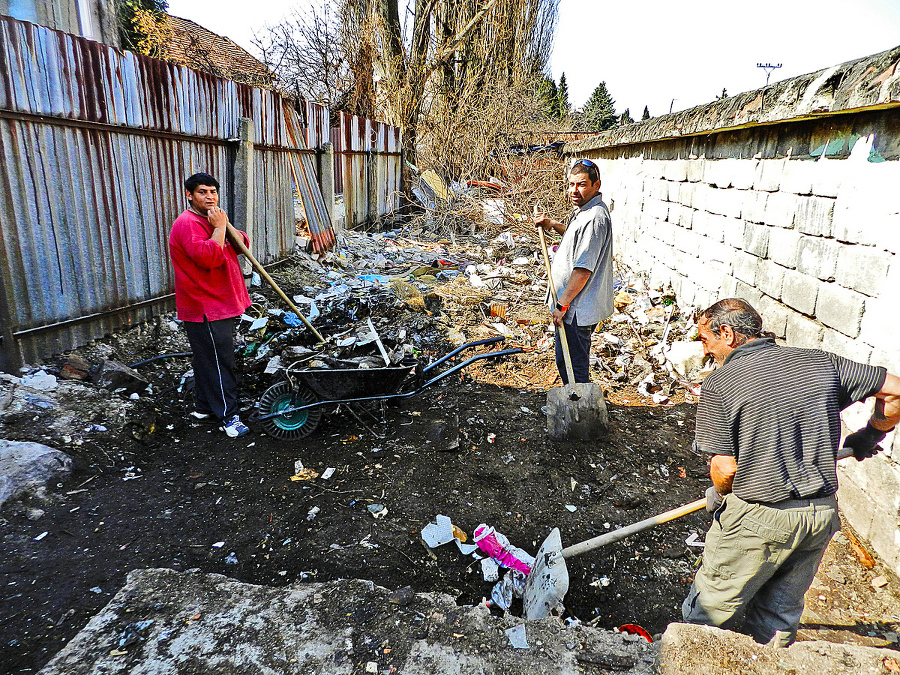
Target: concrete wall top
869,83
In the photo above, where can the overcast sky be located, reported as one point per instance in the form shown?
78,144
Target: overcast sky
650,52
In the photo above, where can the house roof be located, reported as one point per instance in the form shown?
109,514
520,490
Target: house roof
194,46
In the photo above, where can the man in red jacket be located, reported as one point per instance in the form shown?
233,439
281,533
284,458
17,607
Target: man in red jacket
209,294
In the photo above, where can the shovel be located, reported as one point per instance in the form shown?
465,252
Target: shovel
548,581
576,410
238,242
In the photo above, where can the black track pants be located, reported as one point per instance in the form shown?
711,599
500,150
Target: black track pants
215,386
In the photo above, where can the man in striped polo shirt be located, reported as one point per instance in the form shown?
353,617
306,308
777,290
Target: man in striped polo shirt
769,417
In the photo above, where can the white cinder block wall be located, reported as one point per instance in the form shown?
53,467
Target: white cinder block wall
802,219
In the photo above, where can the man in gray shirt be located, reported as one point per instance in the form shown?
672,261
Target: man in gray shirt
581,268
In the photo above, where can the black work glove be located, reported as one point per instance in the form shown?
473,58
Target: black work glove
864,442
713,499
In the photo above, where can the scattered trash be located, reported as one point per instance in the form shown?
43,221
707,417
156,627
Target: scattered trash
328,473
517,637
40,381
498,547
602,582
437,533
634,629
218,544
571,508
511,586
231,559
134,633
305,474
490,570
313,512
377,510
41,536
694,540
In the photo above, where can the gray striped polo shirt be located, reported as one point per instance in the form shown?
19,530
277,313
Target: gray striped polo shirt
776,410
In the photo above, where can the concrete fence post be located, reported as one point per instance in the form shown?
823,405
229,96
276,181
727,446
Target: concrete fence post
372,186
244,179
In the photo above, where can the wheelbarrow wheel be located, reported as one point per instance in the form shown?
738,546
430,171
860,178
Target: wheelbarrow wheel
290,426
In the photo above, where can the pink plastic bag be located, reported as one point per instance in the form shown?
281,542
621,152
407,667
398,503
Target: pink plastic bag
498,547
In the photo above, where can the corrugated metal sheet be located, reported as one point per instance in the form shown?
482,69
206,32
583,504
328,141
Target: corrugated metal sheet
369,151
96,144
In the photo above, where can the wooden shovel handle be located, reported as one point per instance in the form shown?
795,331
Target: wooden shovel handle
622,533
559,330
238,241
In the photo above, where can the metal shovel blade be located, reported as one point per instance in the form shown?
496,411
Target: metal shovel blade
548,581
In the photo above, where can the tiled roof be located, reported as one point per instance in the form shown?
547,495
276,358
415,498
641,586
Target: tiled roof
194,46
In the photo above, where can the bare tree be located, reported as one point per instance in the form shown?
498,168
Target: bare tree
307,54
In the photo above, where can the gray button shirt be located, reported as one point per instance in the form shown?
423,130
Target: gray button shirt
587,243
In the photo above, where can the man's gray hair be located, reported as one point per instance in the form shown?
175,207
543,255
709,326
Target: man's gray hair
736,313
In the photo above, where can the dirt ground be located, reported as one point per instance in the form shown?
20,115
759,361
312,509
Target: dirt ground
166,492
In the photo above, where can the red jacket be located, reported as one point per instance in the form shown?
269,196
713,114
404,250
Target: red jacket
208,278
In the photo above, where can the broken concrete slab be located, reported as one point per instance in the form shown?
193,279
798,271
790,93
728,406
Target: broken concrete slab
688,649
26,468
165,621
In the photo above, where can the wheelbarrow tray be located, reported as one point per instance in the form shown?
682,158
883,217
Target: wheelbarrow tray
334,384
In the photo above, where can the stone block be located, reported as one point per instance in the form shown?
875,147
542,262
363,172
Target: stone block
756,239
754,206
656,208
890,232
881,322
838,343
744,267
768,175
774,316
814,216
862,268
26,468
744,173
686,193
694,170
686,216
701,196
708,275
803,332
798,176
674,192
780,209
889,358
686,240
770,278
869,494
747,292
840,309
728,289
675,170
800,291
734,232
725,202
828,177
783,246
665,232
709,225
688,649
817,257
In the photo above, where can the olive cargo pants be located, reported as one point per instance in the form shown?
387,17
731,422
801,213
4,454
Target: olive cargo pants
758,563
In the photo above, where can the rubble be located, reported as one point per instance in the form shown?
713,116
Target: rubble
26,468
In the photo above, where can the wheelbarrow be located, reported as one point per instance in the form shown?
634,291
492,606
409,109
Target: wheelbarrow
293,407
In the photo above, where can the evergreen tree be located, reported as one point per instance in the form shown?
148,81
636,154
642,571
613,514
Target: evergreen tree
724,94
626,117
646,115
549,96
563,108
599,112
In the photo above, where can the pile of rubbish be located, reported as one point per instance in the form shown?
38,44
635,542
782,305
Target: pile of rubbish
379,300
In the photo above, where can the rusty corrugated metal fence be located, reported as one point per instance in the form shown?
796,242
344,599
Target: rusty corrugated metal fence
96,144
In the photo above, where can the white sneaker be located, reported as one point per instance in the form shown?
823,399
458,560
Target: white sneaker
234,428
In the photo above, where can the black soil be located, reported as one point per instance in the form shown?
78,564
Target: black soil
475,452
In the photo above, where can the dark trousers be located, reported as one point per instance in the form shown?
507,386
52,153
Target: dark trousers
215,386
579,341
